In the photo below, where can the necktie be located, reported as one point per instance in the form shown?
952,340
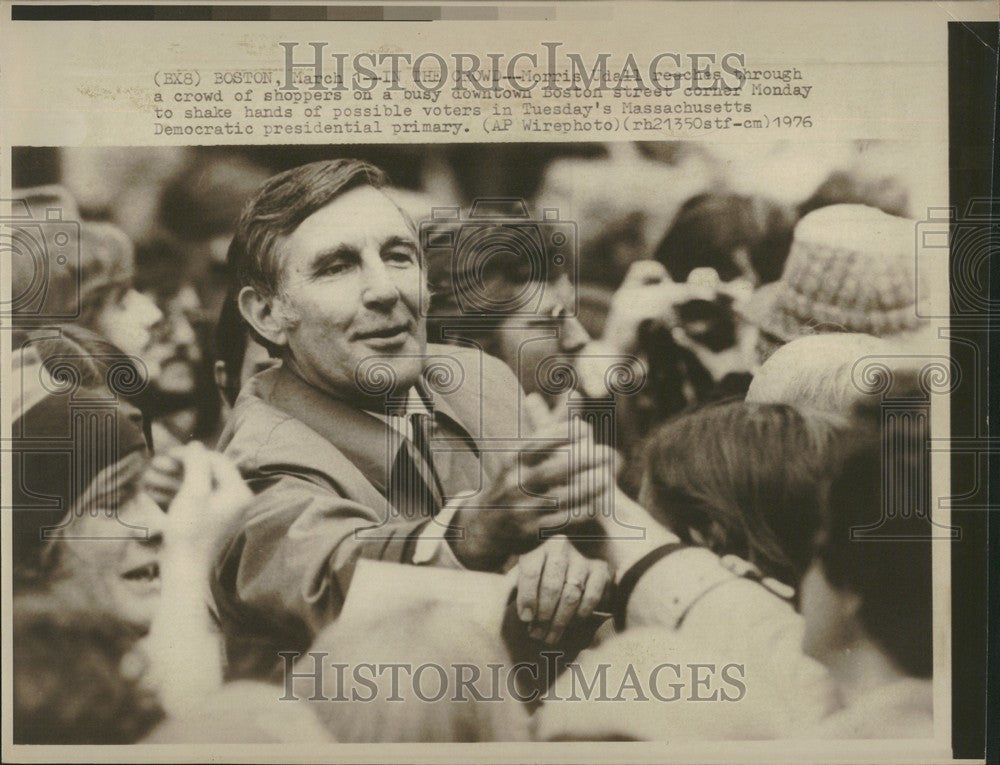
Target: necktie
414,489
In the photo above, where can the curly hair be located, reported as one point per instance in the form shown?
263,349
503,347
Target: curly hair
69,683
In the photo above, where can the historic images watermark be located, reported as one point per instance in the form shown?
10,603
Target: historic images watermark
551,70
317,679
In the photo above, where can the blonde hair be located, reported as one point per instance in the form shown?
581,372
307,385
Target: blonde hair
816,372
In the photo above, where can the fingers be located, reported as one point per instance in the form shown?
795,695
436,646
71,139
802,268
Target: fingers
226,476
550,585
163,477
574,584
529,576
583,588
562,469
539,449
197,470
644,272
570,586
597,584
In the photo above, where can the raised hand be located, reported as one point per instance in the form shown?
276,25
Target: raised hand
539,489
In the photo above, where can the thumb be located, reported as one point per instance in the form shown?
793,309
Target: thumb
197,472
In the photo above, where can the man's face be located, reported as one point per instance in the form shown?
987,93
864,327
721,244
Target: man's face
128,323
350,290
525,342
175,342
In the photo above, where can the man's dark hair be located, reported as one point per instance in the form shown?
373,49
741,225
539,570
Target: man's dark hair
709,227
231,337
278,208
888,567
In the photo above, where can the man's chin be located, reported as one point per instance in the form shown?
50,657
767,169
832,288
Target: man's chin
391,364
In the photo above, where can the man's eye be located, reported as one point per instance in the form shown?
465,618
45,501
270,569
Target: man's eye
401,257
334,268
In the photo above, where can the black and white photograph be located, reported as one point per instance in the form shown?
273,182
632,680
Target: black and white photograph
605,423
642,387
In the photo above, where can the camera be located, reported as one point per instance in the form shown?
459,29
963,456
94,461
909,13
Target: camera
45,264
497,262
711,323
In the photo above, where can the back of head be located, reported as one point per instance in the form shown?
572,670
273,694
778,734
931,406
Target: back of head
230,341
86,414
84,267
816,372
205,199
75,357
876,535
430,647
76,677
851,268
86,359
746,478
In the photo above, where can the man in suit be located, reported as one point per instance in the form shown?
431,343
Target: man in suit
336,442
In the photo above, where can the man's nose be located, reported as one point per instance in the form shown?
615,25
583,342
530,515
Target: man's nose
145,309
572,336
184,336
148,514
378,289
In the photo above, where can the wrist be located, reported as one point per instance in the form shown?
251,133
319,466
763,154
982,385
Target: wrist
186,562
472,543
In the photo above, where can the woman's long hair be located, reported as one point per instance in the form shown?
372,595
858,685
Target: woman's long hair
743,479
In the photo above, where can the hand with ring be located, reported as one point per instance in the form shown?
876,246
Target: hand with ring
556,585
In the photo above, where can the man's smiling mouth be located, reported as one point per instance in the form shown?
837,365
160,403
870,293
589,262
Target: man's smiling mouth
392,332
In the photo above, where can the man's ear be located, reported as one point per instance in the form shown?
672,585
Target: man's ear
259,312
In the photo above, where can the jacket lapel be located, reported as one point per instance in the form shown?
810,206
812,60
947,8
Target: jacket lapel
364,439
359,435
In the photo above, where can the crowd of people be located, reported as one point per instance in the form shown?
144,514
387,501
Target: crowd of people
632,462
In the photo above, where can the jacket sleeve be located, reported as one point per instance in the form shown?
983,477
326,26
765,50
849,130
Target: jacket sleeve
291,562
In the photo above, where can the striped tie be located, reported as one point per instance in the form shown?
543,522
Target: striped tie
414,488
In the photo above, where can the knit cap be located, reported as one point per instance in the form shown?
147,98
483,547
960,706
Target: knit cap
851,268
60,445
60,267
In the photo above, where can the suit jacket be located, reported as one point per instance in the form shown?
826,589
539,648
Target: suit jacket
318,467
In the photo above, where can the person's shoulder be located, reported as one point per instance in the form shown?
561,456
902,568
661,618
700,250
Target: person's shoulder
259,432
253,413
474,361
